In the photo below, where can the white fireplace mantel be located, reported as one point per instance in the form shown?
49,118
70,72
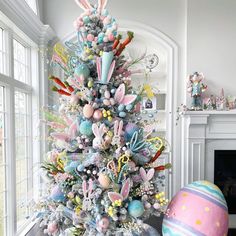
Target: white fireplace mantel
203,132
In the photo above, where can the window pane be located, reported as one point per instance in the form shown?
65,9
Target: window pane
32,5
20,62
1,52
2,161
22,156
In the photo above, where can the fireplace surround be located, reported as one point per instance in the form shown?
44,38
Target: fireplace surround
205,133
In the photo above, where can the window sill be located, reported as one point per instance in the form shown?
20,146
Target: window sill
28,227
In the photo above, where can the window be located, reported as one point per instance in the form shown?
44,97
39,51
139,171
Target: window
21,67
2,161
18,84
22,157
1,51
33,5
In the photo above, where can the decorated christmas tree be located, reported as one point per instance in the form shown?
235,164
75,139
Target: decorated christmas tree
102,171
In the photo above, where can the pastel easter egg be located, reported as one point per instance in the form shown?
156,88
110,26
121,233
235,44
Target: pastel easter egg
83,70
90,37
121,107
106,102
136,208
74,99
122,114
107,94
103,224
130,129
86,19
57,195
97,115
85,128
88,111
197,209
112,101
129,107
111,37
52,228
104,180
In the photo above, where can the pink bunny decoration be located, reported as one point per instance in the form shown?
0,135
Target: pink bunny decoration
98,142
118,126
124,193
87,191
121,98
146,177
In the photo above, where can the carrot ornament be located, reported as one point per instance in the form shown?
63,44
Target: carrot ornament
123,45
69,87
57,81
116,42
161,168
60,91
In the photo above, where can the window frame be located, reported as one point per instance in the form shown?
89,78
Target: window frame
10,84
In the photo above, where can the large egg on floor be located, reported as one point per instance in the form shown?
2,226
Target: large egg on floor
57,195
197,209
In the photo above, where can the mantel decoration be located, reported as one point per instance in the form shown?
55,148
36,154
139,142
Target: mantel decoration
196,87
103,176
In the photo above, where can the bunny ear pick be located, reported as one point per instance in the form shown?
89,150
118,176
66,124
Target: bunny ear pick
125,189
83,4
121,98
95,130
102,4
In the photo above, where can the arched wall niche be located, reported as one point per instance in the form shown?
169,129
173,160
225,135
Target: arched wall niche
164,77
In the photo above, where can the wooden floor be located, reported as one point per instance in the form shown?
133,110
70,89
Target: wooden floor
156,222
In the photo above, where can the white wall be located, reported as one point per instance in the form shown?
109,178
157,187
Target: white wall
211,42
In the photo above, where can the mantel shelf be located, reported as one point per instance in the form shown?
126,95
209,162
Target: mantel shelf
214,112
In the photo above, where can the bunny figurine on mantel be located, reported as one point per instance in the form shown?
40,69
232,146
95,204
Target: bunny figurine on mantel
196,88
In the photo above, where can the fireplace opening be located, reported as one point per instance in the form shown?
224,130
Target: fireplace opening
225,176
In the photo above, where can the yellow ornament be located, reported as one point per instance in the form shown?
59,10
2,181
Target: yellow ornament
148,90
90,84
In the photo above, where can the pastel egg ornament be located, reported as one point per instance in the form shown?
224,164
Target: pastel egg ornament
130,129
97,115
85,128
88,111
57,195
82,70
52,228
197,209
104,181
136,208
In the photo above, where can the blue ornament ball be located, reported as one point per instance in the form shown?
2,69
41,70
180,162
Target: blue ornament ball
57,195
82,69
85,128
130,129
136,208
